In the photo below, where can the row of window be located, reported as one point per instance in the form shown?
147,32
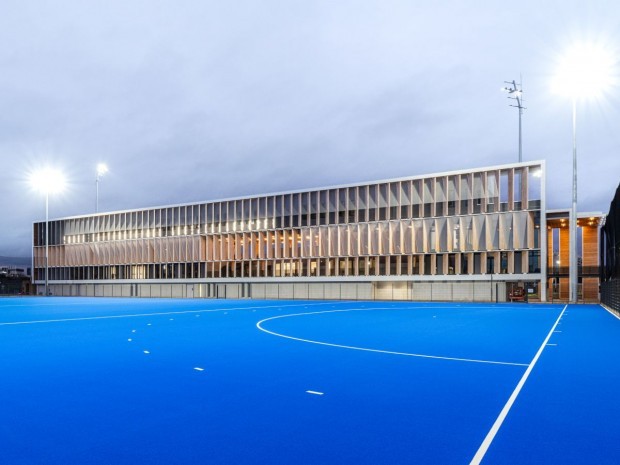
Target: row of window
410,265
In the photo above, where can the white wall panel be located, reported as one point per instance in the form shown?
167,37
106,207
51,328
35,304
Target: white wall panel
300,290
365,291
463,292
155,290
315,290
232,291
176,291
421,291
258,291
144,290
286,291
383,290
482,291
442,291
400,290
271,291
348,291
332,291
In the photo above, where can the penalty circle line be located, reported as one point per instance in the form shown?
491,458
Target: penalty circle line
366,349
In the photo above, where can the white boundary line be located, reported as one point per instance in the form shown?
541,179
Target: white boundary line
437,357
610,311
180,312
136,315
484,447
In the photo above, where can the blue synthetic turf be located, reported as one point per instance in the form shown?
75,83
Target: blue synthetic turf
78,391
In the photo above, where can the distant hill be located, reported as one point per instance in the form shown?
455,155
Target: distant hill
15,261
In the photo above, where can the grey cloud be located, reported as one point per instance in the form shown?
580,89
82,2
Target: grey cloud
192,100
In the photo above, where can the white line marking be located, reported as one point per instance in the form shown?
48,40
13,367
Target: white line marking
316,393
146,352
133,330
436,357
552,345
148,324
482,450
138,315
610,311
199,369
129,340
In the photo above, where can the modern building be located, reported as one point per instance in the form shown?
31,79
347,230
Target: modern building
461,235
588,263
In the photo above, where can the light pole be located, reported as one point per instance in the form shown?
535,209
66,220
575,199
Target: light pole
585,71
47,181
572,234
516,93
101,170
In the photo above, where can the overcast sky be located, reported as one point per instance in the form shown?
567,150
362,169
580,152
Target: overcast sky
192,100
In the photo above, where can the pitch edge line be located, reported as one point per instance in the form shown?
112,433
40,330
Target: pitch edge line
136,315
484,447
610,311
364,349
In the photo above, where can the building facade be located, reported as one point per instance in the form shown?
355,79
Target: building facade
461,235
588,263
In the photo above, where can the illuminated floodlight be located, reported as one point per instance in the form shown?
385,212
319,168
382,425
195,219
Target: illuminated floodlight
102,169
586,70
48,181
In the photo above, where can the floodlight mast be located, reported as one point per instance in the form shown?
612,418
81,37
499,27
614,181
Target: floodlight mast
585,70
46,181
572,241
101,170
516,93
47,241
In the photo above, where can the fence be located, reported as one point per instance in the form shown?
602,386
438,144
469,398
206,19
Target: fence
12,286
610,256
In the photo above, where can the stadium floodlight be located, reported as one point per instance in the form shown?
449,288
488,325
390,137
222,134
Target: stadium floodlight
47,181
585,71
101,170
515,92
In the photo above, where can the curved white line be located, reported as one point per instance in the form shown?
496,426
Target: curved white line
365,349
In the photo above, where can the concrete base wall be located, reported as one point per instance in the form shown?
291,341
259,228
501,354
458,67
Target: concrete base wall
459,291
